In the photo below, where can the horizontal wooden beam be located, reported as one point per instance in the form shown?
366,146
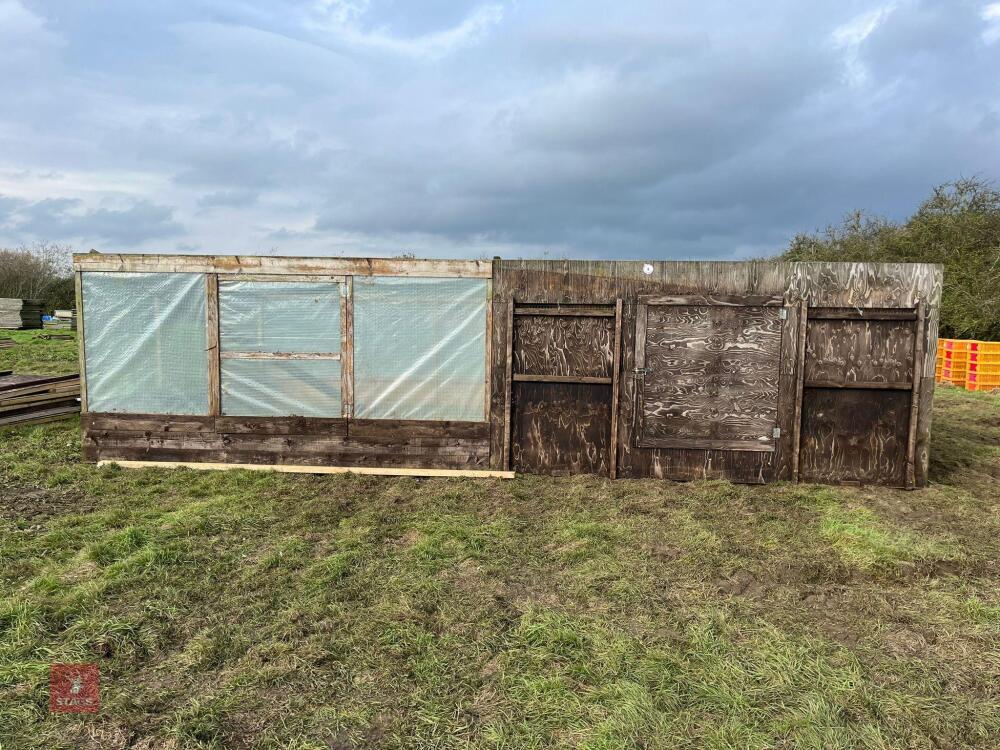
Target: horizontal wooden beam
719,445
311,278
862,313
280,355
707,300
521,377
290,469
280,265
566,312
866,384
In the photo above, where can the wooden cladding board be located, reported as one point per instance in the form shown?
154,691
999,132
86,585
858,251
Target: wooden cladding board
287,440
854,436
561,428
859,351
711,376
578,346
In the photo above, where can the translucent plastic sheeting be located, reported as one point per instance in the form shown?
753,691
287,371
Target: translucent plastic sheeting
145,342
279,316
419,348
269,387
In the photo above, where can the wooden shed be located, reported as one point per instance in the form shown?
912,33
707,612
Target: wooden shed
750,371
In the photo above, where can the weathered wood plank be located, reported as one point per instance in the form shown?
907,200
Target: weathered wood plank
701,300
566,311
212,344
152,423
526,378
81,339
509,359
389,430
615,377
861,313
870,384
347,348
280,265
918,357
281,355
800,375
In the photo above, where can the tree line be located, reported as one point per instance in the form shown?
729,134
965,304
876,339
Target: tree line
958,226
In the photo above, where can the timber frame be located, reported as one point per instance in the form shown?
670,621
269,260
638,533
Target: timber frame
580,378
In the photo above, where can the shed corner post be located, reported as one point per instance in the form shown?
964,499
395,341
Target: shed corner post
212,344
800,372
81,339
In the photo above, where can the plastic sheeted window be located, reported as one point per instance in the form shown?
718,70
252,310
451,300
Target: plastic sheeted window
145,343
282,318
419,348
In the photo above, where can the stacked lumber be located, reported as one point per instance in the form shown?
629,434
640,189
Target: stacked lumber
20,313
6,343
31,399
61,319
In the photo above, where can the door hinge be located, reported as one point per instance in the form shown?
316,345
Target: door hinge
639,371
783,313
776,432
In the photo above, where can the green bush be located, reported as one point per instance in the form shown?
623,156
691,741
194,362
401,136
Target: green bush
958,226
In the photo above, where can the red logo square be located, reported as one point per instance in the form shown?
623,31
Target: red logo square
74,689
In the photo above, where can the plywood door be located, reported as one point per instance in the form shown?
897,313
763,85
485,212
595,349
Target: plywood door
707,372
563,376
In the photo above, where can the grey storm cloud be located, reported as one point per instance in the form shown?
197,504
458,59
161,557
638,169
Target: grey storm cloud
647,130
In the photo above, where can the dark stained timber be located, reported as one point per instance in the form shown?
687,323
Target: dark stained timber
711,377
854,436
859,351
566,346
561,428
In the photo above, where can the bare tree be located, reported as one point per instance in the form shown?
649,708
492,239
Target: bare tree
39,271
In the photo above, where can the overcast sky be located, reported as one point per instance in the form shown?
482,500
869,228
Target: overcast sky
657,129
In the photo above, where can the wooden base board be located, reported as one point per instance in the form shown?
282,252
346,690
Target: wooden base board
295,469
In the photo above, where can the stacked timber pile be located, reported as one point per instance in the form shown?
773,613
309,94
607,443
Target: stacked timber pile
30,399
61,319
6,343
20,313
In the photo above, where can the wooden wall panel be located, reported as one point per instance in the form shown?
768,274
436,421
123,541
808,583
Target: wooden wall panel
561,428
574,345
287,440
712,377
859,351
854,436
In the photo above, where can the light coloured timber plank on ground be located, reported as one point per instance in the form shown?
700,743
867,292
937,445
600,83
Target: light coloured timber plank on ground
290,469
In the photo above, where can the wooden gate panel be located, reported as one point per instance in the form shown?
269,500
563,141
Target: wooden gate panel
854,436
563,346
561,428
859,351
710,376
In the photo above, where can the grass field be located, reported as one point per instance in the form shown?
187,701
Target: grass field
239,609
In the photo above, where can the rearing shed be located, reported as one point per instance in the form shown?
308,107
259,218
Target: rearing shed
750,371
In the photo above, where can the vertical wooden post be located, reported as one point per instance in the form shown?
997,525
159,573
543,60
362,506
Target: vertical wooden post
489,348
641,313
212,344
615,374
917,376
800,373
81,341
508,385
347,348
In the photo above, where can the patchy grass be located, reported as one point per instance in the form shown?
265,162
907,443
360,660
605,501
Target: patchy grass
241,609
34,353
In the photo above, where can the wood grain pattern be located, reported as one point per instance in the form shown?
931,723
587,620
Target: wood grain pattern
854,436
914,417
869,351
711,377
561,428
378,471
615,388
800,370
509,385
565,346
